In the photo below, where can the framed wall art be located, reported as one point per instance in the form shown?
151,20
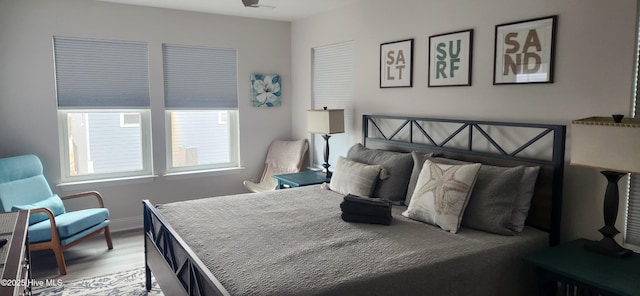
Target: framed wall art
524,51
450,56
396,64
265,90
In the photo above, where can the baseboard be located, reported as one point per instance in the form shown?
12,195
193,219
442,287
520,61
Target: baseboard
129,223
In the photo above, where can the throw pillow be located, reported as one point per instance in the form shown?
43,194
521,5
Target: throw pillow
396,164
492,199
53,203
499,203
350,177
418,162
442,193
523,200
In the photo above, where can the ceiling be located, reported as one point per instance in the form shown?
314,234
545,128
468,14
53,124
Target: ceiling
285,10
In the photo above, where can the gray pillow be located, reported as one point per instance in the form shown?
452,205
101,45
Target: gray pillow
396,164
350,177
493,197
523,200
418,161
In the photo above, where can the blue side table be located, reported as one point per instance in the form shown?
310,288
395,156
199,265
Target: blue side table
572,268
303,178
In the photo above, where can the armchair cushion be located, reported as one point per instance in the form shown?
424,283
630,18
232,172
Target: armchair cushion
68,224
53,203
23,191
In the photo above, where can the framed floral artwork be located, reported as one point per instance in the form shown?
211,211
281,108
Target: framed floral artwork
265,90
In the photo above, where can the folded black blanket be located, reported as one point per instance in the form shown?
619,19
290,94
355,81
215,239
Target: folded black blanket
359,209
366,219
357,205
366,201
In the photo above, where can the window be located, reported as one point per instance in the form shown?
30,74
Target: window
332,86
632,225
201,102
103,108
98,144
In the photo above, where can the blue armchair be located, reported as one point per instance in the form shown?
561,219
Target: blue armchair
23,187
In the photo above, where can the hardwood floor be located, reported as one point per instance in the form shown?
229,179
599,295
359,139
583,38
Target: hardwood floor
92,257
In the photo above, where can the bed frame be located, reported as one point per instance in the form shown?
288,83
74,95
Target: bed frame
180,272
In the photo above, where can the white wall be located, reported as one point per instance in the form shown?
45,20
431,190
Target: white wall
593,72
28,121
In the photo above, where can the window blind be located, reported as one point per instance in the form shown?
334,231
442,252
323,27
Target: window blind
200,77
333,87
632,227
633,211
94,73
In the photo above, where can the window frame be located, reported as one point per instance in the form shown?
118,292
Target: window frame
234,144
63,138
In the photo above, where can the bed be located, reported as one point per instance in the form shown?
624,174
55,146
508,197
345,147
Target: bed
293,242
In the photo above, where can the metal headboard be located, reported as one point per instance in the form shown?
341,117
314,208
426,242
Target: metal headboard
486,142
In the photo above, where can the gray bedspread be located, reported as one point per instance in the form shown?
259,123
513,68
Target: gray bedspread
293,242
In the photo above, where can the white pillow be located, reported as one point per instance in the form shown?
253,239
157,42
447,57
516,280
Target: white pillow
442,193
350,177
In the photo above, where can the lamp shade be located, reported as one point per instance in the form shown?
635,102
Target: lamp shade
325,121
600,142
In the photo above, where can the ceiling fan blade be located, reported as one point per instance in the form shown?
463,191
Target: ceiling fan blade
250,3
254,4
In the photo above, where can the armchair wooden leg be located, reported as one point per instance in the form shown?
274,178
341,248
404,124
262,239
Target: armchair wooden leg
57,251
107,236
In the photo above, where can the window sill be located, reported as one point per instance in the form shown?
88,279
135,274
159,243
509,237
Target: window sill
92,184
203,173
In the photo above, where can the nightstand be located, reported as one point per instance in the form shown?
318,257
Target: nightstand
303,178
580,271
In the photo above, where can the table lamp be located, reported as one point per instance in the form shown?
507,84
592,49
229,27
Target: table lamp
613,146
326,121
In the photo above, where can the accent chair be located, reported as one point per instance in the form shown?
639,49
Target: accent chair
283,157
24,187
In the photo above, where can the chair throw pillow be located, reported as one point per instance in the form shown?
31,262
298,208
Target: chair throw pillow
351,177
442,193
53,203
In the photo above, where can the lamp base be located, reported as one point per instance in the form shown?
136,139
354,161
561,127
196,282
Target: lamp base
607,246
326,166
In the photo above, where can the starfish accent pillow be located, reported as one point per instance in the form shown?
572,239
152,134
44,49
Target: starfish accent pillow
442,193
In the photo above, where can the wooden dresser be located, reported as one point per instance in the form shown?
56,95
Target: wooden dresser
14,256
